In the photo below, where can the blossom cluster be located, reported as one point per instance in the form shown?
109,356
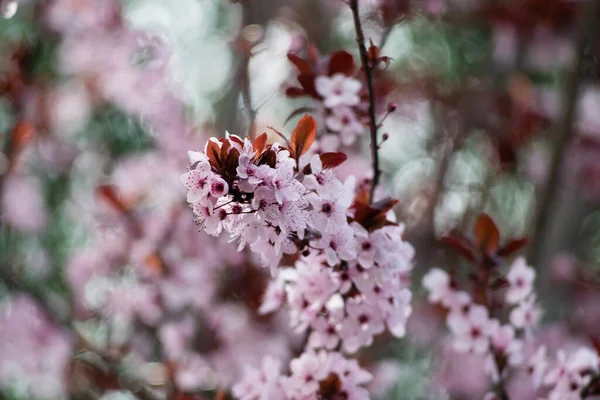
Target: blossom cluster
319,375
348,304
348,268
340,94
503,344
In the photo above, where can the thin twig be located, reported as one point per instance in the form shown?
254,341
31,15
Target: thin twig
564,130
368,68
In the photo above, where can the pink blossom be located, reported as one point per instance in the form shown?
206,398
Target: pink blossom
307,371
343,121
198,182
520,279
526,315
338,90
472,331
537,366
22,204
439,285
337,245
263,384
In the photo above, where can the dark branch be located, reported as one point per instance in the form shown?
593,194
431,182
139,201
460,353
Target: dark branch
368,68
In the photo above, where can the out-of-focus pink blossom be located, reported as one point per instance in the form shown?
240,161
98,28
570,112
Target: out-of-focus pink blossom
338,90
520,280
35,354
23,204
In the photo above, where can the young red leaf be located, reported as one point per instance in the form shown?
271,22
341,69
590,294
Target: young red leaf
333,159
308,84
303,136
362,197
373,53
109,194
225,145
486,234
461,246
512,246
236,139
22,134
260,142
385,205
341,62
154,264
231,163
300,63
213,153
295,92
372,218
269,158
330,387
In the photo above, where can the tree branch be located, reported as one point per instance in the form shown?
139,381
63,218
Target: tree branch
549,194
368,68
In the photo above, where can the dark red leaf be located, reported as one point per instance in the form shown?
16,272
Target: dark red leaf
371,218
461,246
260,142
295,92
341,62
303,136
363,196
231,163
110,195
386,61
486,234
373,53
221,395
333,159
213,153
385,205
236,139
22,134
300,63
512,246
330,387
269,158
225,146
308,84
